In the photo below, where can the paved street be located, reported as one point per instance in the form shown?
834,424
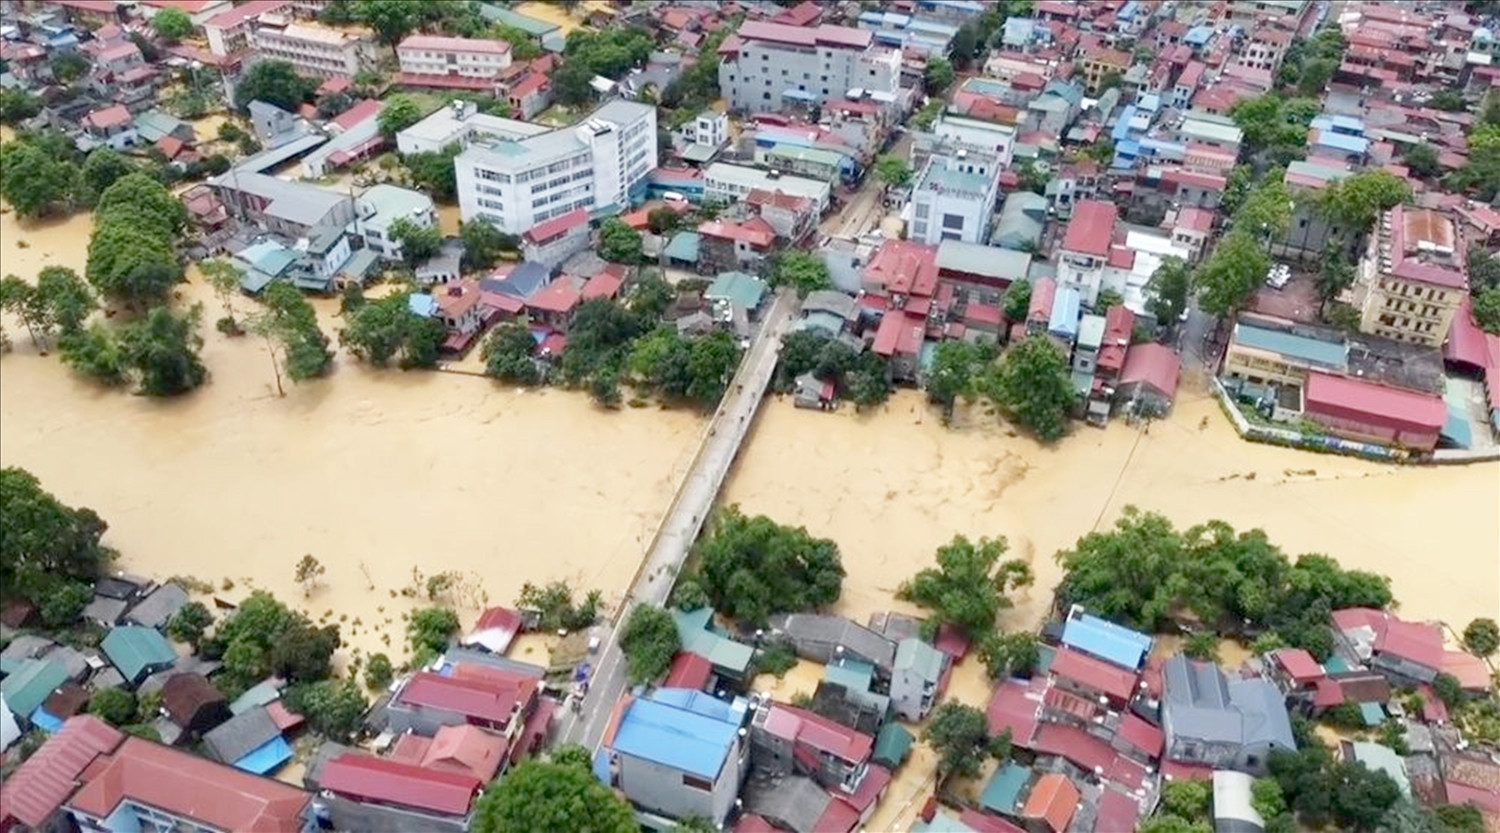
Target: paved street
684,518
864,211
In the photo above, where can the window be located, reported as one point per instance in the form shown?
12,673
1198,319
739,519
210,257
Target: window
922,210
953,221
697,783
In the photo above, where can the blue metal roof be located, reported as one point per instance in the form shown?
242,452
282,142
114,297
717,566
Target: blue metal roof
1198,35
1344,142
1122,124
1065,306
423,305
266,758
43,719
678,736
1311,350
1106,640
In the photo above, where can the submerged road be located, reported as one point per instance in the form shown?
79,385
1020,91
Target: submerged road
684,518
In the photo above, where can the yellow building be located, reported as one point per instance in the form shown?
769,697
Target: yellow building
1412,277
1101,61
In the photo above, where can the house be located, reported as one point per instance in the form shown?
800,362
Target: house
111,127
786,739
137,652
291,209
916,673
494,699
392,795
1407,652
555,304
1412,276
192,703
229,31
27,687
794,803
823,638
813,393
735,290
250,741
460,308
1214,721
1062,323
769,66
272,125
158,607
1148,382
380,206
727,183
1051,803
1023,215
69,699
1085,249
452,63
1102,639
725,245
319,51
1091,679
494,629
553,241
36,791
1100,63
953,197
1232,805
466,750
678,753
730,659
1374,413
790,216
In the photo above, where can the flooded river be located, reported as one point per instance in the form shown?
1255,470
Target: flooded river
376,473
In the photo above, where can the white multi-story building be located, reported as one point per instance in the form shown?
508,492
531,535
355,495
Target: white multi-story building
973,134
726,183
229,32
452,63
381,206
313,50
461,123
764,66
953,198
599,164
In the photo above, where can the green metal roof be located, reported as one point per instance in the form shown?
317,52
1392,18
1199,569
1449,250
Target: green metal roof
684,246
805,154
1311,350
30,686
137,650
530,25
920,657
892,745
695,634
737,288
1003,791
1379,757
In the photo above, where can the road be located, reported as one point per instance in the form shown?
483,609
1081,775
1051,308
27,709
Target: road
684,518
864,211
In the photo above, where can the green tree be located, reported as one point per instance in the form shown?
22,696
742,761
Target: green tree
1009,655
189,622
132,264
484,243
619,243
507,355
1033,386
1231,274
1336,276
333,708
649,641
62,603
224,278
1482,637
96,353
274,82
429,631
1356,202
1459,818
433,172
101,169
22,300
1486,310
553,604
1169,823
1203,646
1188,799
968,587
1422,160
522,46
868,383
1448,689
711,363
141,200
387,329
959,734
551,795
752,567
378,671
163,349
115,706
1167,291
892,171
264,636
803,271
292,324
392,20
1017,301
172,24
418,242
68,67
17,105
956,367
938,76
35,183
400,112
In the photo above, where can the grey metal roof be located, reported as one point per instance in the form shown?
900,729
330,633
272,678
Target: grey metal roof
470,656
265,108
796,801
989,261
1203,704
920,657
294,202
240,735
1263,713
27,646
105,611
836,630
158,607
271,157
830,301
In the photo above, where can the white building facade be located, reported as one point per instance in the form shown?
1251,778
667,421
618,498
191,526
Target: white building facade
312,50
766,66
953,198
600,164
452,62
973,134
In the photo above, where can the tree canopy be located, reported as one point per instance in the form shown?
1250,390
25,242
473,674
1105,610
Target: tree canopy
163,350
274,82
1033,386
803,271
387,329
968,587
429,631
484,243
619,243
649,641
956,370
400,112
752,567
1275,126
335,708
893,171
556,794
1482,637
265,637
938,76
1144,573
1168,290
44,543
172,24
292,323
959,733
131,254
36,183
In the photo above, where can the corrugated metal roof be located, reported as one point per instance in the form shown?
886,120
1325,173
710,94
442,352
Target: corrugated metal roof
1003,792
1311,350
685,739
1106,640
388,782
41,784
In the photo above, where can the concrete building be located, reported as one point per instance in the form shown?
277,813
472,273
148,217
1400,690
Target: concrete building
452,63
1085,249
554,241
1412,277
381,206
767,66
679,753
1100,62
461,123
229,31
977,135
313,50
726,183
915,674
1212,720
600,165
953,198
292,209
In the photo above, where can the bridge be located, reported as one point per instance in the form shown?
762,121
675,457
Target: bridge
684,518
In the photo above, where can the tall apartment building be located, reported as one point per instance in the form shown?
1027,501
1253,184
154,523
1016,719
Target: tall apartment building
229,32
452,63
1413,277
953,198
312,50
765,66
599,164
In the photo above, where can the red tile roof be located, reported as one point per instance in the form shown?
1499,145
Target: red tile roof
837,817
1091,673
951,641
1418,643
1180,771
1091,228
1090,753
1115,811
1197,219
982,822
870,788
904,267
493,697
1298,664
1142,735
1469,670
1119,324
437,43
189,6
689,670
108,117
1052,800
899,333
559,296
466,750
604,284
1154,364
557,226
41,784
739,232
363,777
365,109
183,784
1353,399
1043,293
824,35
819,733
498,617
801,14
1013,706
451,82
230,18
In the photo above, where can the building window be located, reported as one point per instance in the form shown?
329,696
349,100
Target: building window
697,783
953,221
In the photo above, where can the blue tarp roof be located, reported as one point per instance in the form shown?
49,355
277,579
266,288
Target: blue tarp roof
1122,124
1106,640
1198,35
423,305
682,736
1344,142
43,720
266,758
1065,306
